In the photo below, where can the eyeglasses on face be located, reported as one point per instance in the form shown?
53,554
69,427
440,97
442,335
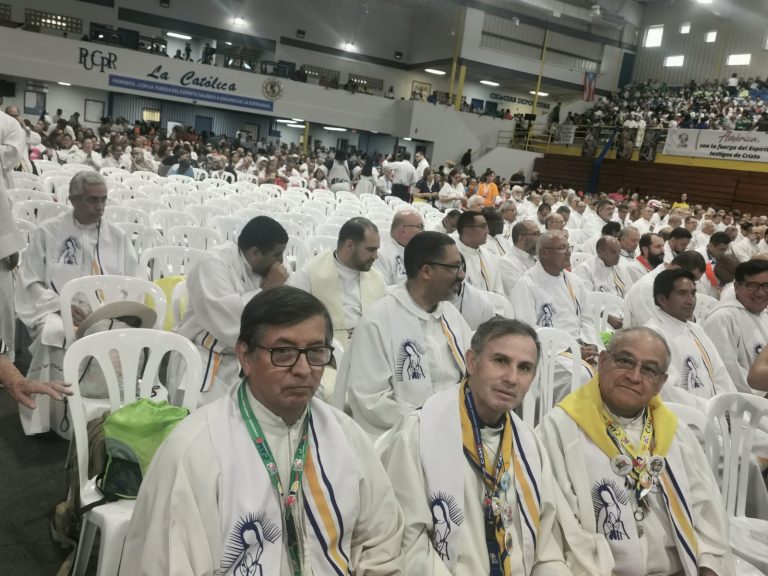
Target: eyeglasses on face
457,267
648,371
419,226
287,356
755,286
93,200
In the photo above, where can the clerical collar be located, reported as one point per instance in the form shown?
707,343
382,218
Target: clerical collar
624,421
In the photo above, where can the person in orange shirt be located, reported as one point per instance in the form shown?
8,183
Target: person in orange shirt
488,190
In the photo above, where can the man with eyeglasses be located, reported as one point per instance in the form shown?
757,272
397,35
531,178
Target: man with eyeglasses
72,245
508,211
268,479
405,225
632,474
411,343
695,364
522,254
739,327
482,269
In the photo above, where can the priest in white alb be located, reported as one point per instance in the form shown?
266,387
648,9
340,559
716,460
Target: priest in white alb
605,272
482,269
72,245
411,343
636,478
268,479
473,480
405,225
522,253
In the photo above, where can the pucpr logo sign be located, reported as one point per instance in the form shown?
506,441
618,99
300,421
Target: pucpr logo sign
97,59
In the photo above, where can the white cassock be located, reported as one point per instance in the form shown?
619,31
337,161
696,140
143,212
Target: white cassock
399,356
739,336
669,255
516,263
13,147
482,271
61,249
643,226
636,268
744,249
547,301
391,262
600,278
657,223
507,232
442,495
575,220
596,496
695,366
639,306
497,245
476,306
207,506
219,287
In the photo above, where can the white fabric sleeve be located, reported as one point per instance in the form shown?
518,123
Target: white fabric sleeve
34,301
300,279
13,143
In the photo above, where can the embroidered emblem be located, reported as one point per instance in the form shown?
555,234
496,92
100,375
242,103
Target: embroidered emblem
546,315
246,543
67,253
691,379
399,266
409,358
758,349
607,499
445,514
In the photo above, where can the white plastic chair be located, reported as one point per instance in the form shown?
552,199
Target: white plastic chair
295,195
223,176
25,178
328,230
282,205
321,206
142,236
180,178
339,220
306,221
117,174
24,194
203,213
318,244
540,399
251,213
241,201
25,227
731,423
254,195
44,166
58,186
148,206
322,194
292,228
692,417
73,168
200,174
296,253
119,214
228,227
223,204
103,289
179,187
167,219
38,211
599,305
112,519
123,194
161,261
272,189
152,191
178,201
212,183
196,237
145,175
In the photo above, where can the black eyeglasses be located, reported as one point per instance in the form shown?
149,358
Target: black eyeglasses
287,356
457,267
648,371
755,286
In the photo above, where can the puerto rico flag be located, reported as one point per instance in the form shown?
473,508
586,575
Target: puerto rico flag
590,83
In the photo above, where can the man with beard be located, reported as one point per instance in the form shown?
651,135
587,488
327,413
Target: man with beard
411,343
651,255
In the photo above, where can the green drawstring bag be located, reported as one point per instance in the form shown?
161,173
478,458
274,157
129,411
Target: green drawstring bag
132,435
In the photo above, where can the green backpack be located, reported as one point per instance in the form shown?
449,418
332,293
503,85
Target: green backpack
132,435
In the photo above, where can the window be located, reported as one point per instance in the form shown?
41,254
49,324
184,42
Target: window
674,61
40,19
711,36
685,28
150,115
653,36
5,11
739,59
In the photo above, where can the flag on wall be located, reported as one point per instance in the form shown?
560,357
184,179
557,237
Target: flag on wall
590,83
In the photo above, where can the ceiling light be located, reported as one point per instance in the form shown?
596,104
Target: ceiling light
704,1
435,72
281,121
540,93
489,83
239,21
101,36
64,84
228,43
374,132
406,139
297,119
334,129
350,47
179,36
296,126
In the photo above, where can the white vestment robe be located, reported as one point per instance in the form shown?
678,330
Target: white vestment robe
639,306
399,356
739,336
219,287
635,270
61,249
695,366
475,305
391,262
497,245
516,263
207,486
436,429
600,278
482,271
543,300
658,553
743,249
643,226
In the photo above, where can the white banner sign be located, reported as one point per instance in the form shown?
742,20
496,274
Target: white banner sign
565,134
719,144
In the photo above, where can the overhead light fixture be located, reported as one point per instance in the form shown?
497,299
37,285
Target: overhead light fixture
179,36
489,83
297,120
228,43
101,36
239,21
350,47
435,72
300,34
282,121
64,84
540,93
398,55
374,132
296,126
406,139
334,129
704,1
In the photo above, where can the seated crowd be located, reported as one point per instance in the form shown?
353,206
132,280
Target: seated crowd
364,405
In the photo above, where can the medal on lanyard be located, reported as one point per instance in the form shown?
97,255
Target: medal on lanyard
297,471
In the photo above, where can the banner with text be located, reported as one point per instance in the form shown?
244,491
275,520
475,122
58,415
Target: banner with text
718,144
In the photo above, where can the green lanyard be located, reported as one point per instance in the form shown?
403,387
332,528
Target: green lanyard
297,471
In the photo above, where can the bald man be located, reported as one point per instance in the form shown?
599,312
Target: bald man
405,225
